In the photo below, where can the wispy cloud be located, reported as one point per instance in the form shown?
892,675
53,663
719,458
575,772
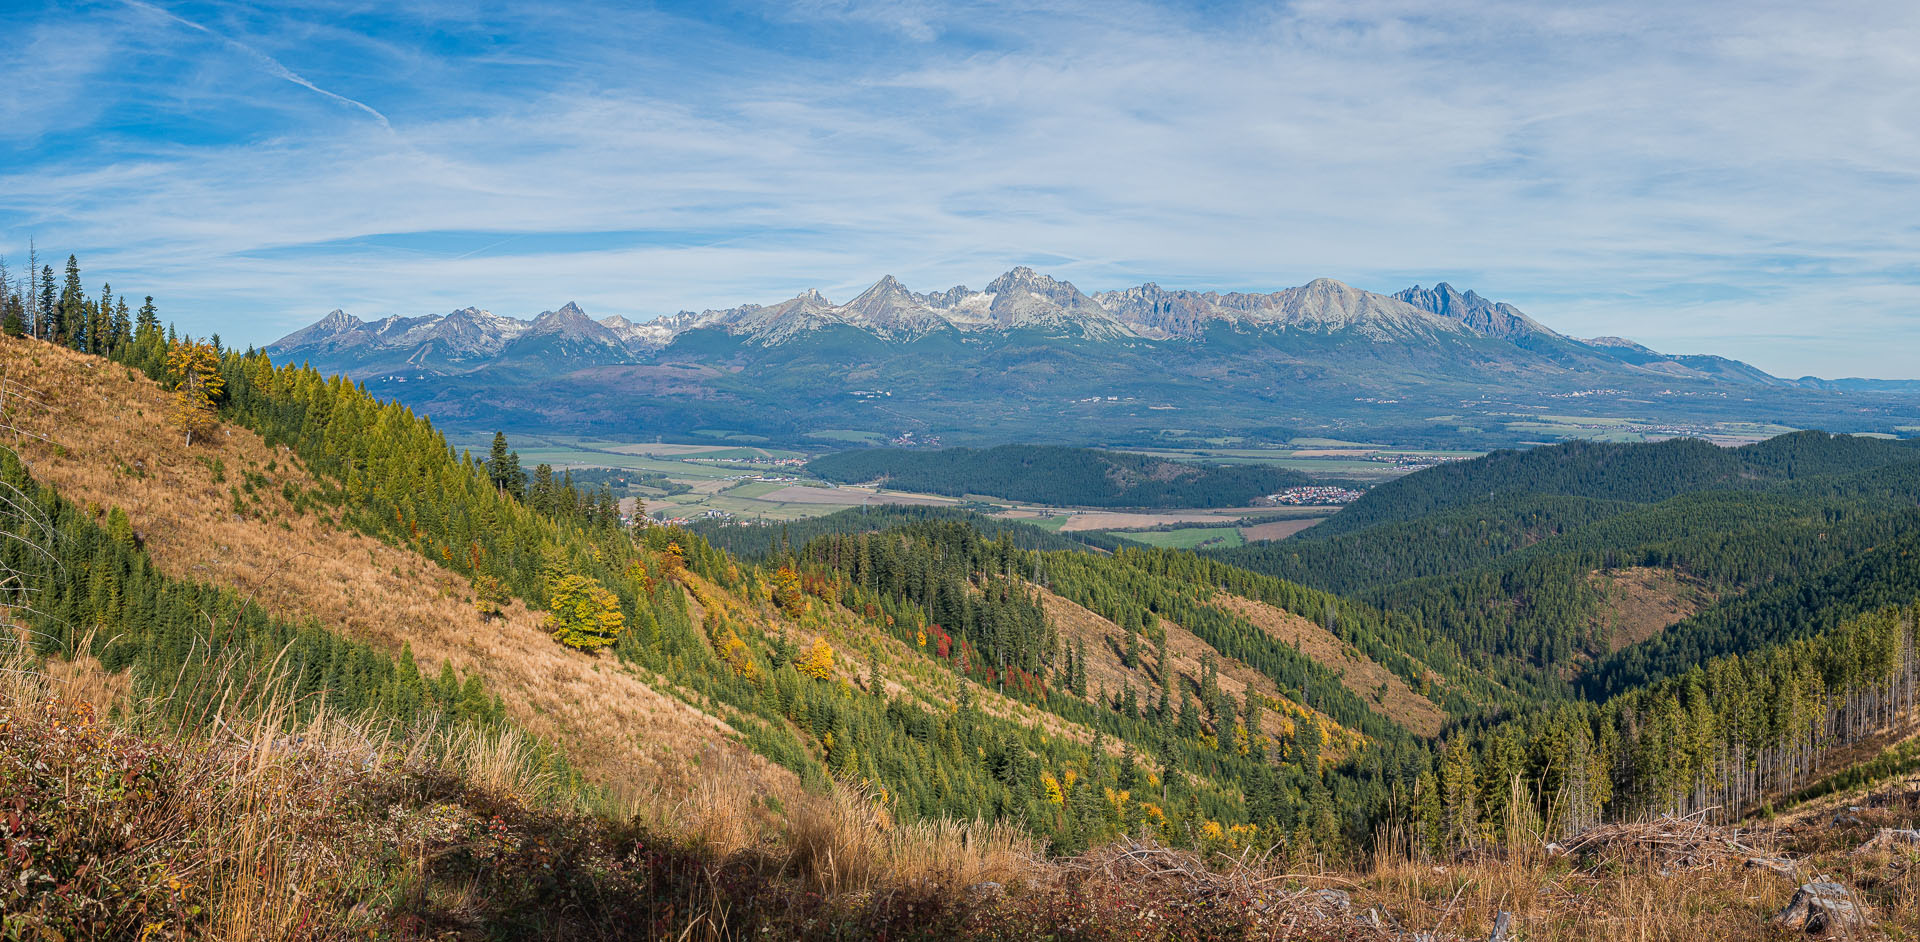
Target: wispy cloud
1736,179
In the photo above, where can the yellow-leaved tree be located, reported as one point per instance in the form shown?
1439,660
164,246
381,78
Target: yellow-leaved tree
787,593
818,662
197,384
582,614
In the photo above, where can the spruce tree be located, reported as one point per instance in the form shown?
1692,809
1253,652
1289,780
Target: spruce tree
73,307
149,323
122,332
51,329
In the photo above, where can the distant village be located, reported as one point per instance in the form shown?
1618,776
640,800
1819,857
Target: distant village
1315,496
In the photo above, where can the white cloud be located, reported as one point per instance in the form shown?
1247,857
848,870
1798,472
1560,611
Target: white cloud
1703,178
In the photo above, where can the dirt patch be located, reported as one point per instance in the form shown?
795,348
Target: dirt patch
1276,529
1642,602
1383,690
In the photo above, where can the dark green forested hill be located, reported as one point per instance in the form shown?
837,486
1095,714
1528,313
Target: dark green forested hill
1518,558
766,541
1050,474
1640,473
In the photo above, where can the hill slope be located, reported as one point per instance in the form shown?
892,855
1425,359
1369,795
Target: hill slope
950,674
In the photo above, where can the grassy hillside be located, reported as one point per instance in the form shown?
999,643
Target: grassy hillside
885,717
1058,476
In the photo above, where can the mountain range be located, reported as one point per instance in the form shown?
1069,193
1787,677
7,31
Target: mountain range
1032,352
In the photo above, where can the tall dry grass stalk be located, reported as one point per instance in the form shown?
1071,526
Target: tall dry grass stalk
255,781
846,842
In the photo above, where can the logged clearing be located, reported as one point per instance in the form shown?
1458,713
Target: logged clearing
846,496
1642,602
1276,529
108,443
1105,640
1358,672
1121,520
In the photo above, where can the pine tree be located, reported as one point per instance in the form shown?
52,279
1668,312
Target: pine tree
1460,793
100,324
489,596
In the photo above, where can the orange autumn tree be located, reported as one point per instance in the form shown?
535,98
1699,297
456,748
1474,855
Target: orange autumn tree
195,369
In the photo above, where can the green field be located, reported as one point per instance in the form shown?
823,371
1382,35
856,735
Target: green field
1627,429
847,435
1185,537
751,489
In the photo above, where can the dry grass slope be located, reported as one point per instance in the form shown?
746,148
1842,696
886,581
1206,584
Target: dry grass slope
1106,670
1359,673
108,444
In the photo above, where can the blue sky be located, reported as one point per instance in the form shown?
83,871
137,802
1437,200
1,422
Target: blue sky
1738,178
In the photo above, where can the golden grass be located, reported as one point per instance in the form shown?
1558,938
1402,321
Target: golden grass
845,842
250,786
108,444
1359,673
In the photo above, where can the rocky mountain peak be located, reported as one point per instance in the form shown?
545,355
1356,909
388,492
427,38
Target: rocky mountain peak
1493,318
338,320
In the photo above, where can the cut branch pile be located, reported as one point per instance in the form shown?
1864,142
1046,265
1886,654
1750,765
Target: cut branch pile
1683,843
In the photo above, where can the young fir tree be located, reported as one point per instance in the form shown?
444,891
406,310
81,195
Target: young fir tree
503,468
122,329
148,325
100,323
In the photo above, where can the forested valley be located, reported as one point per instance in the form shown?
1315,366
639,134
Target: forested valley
1530,645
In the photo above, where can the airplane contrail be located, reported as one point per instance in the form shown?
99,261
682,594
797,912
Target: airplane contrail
273,65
